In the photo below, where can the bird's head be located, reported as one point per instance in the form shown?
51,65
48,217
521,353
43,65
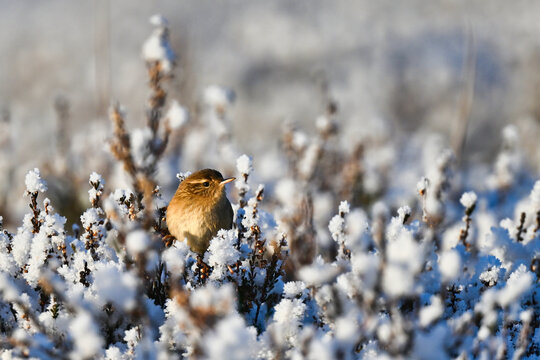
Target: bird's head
207,184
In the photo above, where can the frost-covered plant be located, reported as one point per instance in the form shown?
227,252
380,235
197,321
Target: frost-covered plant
326,260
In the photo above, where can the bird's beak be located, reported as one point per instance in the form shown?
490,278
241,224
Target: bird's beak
228,180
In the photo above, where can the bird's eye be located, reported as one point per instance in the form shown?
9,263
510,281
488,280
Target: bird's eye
206,184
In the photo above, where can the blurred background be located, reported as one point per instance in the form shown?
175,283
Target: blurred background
412,67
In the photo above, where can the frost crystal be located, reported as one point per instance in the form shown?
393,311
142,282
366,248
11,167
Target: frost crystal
510,135
95,192
34,183
287,191
468,199
432,312
422,185
519,282
157,48
38,254
96,178
323,124
178,115
183,175
336,227
405,258
300,141
318,273
344,207
337,224
159,20
141,141
450,265
232,339
91,216
85,333
21,246
174,258
244,164
7,263
293,289
222,252
287,316
289,311
404,212
217,96
113,284
221,298
137,242
309,160
535,195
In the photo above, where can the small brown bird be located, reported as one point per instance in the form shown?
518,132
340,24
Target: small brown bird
200,208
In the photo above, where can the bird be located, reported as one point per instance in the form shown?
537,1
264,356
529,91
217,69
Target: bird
199,209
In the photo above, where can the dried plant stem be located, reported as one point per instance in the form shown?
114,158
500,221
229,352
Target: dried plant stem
537,227
464,233
120,144
36,223
459,134
243,192
521,227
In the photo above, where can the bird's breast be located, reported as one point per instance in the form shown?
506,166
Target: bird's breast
198,223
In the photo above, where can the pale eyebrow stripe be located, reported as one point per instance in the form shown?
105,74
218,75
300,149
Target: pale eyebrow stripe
199,181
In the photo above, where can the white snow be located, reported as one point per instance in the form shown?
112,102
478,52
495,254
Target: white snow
218,96
468,199
336,227
177,115
287,316
403,212
300,140
140,145
183,175
422,185
38,253
21,245
450,265
90,217
175,256
222,252
293,289
287,191
323,124
535,195
344,207
159,20
210,296
397,280
34,183
318,273
432,312
157,47
137,242
244,164
85,333
306,166
510,135
518,283
232,339
113,284
7,263
96,178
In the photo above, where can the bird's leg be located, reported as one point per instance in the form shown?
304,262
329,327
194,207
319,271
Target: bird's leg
168,240
203,270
